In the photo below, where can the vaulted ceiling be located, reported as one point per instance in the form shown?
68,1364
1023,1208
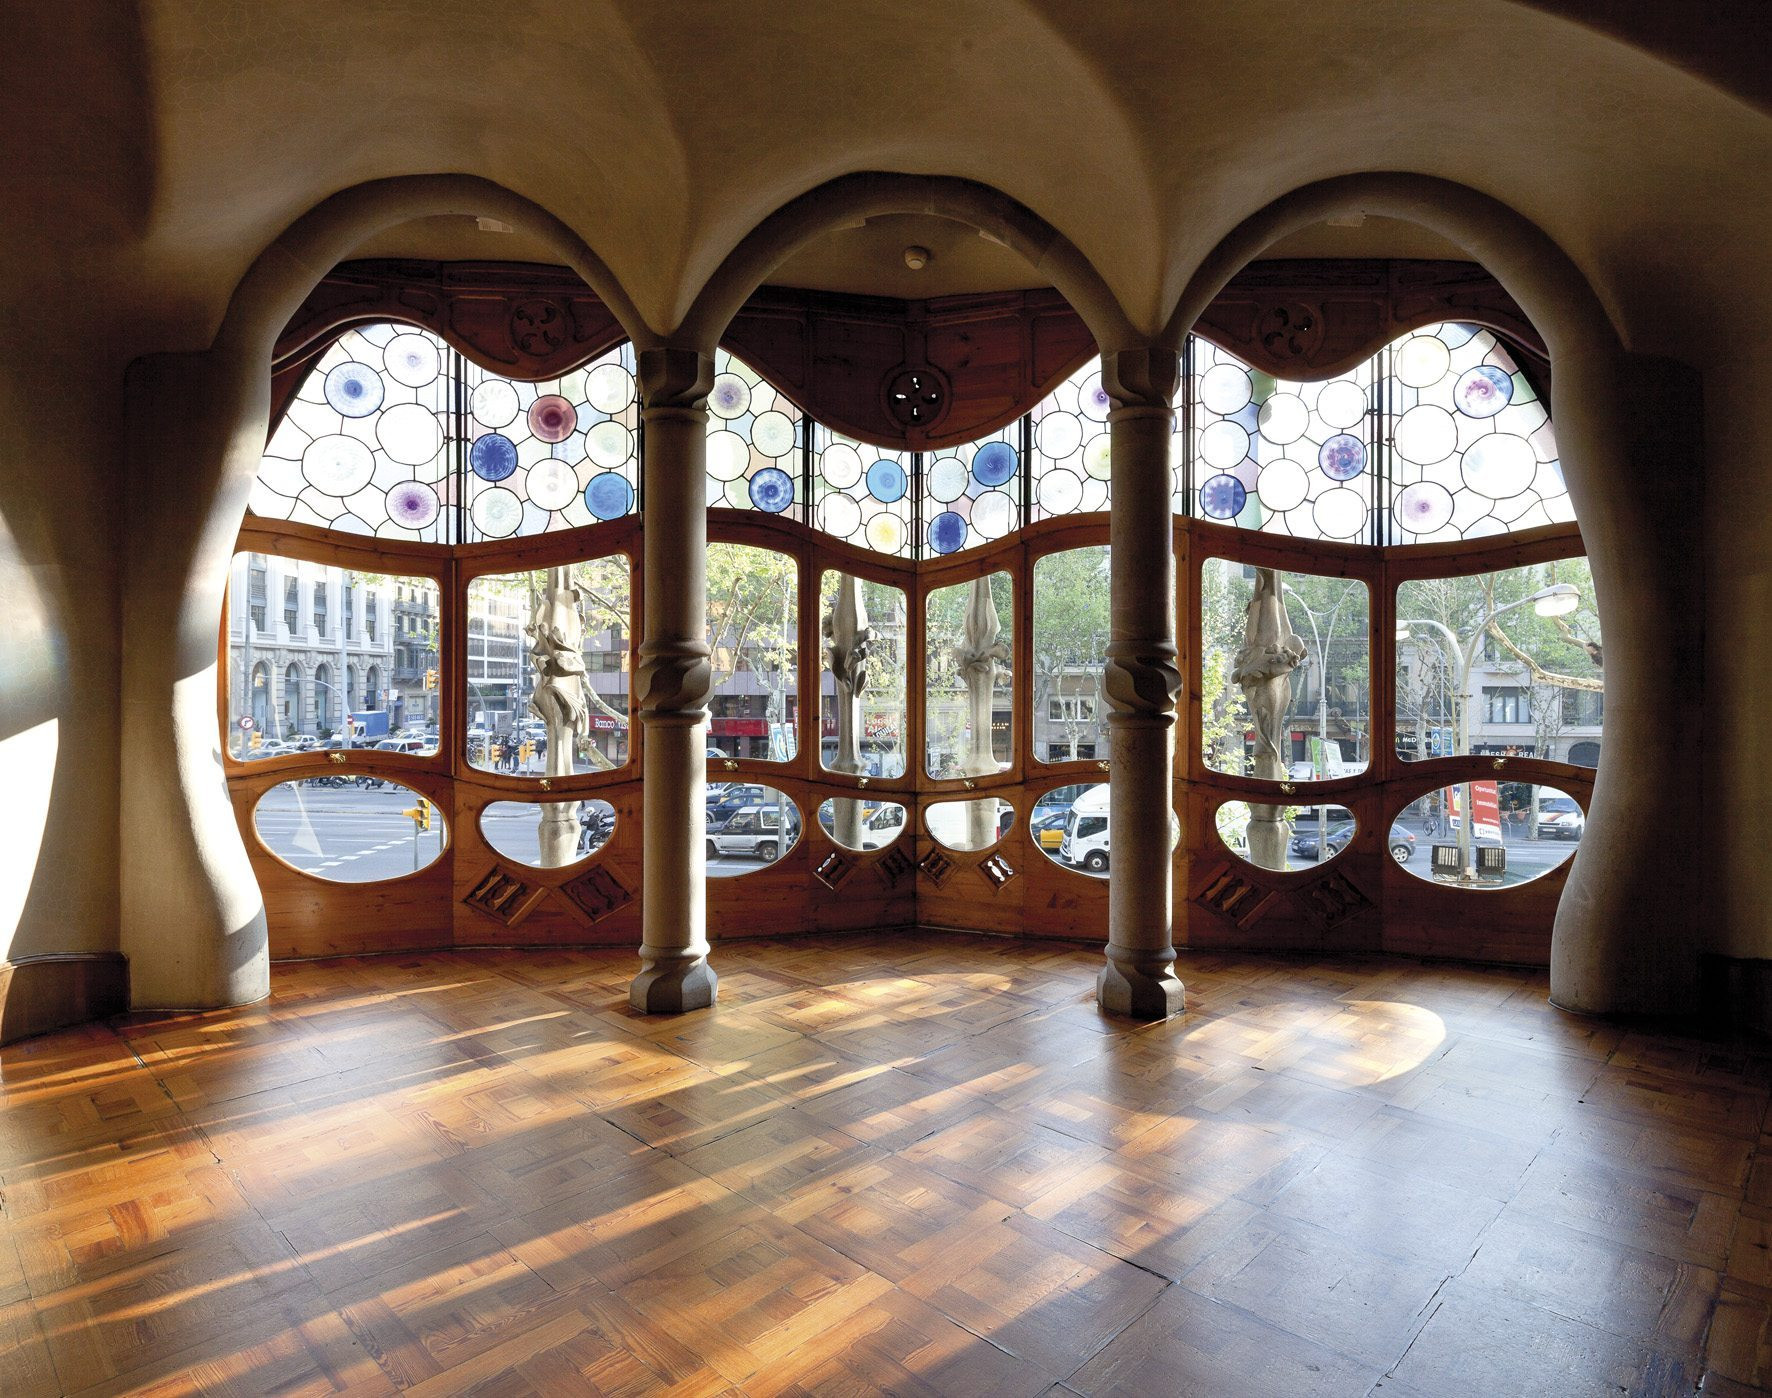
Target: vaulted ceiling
152,149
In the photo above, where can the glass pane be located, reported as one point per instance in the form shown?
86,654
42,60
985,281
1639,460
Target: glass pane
558,454
863,493
753,620
1070,826
547,834
1266,639
548,669
754,436
970,825
1290,838
861,719
858,823
749,826
366,444
1501,664
349,830
1519,832
1287,458
1070,639
1473,450
1070,463
969,700
972,493
344,658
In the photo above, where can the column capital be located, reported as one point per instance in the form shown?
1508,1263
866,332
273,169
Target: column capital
673,680
1141,376
673,376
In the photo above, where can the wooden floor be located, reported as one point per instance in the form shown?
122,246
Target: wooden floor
896,1164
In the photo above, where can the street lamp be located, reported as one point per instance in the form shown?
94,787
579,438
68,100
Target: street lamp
1558,599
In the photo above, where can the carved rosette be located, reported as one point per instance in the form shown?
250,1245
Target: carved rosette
673,681
1141,682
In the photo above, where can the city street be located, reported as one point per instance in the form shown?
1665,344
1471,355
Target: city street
345,833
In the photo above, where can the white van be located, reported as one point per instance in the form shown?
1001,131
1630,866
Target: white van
1334,764
1085,843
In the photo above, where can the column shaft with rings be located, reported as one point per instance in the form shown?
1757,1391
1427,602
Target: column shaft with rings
1141,682
673,683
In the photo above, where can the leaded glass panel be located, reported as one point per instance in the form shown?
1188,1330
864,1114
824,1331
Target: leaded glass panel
862,493
972,493
1070,462
754,443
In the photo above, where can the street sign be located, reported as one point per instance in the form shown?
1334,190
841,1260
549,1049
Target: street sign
246,724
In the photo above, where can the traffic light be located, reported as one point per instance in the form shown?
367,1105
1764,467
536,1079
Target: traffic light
525,750
419,815
430,679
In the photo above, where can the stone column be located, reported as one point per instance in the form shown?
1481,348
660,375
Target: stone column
673,683
192,920
1141,682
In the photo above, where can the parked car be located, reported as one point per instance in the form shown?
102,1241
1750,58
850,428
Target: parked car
753,832
732,798
1047,828
407,745
1337,835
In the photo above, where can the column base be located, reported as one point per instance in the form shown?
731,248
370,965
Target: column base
672,984
1146,989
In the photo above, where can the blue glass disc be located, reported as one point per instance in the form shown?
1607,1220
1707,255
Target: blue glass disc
354,389
493,457
772,490
609,496
994,464
1342,457
1223,497
947,532
1483,391
886,481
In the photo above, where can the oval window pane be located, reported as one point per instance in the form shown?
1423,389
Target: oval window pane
1069,825
350,829
856,823
1267,638
970,825
547,834
749,827
1286,839
1518,832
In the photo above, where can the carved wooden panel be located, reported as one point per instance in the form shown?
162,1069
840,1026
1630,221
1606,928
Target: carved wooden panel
502,893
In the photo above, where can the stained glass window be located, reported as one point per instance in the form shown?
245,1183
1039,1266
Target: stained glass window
395,434
559,454
364,445
1285,458
862,494
1070,463
1473,450
754,443
972,493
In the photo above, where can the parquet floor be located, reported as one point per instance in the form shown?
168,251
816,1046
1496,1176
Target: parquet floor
920,1165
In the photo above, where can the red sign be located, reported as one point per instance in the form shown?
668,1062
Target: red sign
739,727
1486,810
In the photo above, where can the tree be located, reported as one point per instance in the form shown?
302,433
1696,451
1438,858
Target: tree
883,702
752,606
945,688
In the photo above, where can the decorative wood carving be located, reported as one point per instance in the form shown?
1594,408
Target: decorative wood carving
894,867
597,892
1333,899
987,358
997,871
833,869
937,865
504,894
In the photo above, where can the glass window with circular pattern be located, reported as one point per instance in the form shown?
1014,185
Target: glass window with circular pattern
1474,453
972,493
559,454
862,494
754,436
364,446
1071,460
1286,458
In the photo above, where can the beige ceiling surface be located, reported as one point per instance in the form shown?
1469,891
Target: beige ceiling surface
151,151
